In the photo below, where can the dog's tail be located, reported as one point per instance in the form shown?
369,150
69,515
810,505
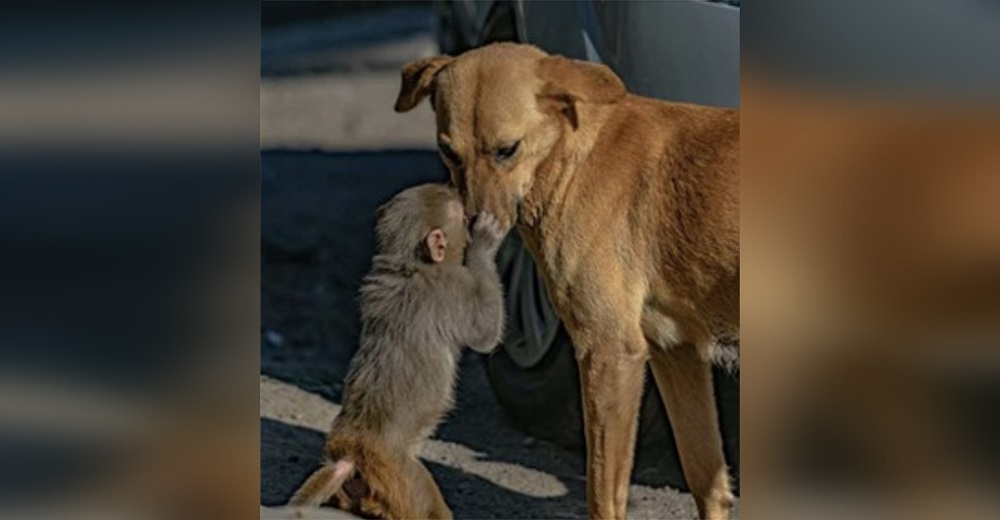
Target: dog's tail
323,483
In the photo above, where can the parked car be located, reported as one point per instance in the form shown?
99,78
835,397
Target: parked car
686,50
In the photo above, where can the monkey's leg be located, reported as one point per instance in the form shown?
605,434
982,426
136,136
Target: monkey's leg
685,383
612,373
322,484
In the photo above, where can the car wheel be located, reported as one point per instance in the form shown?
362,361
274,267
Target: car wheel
533,374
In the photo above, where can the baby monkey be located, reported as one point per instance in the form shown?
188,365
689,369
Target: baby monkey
425,298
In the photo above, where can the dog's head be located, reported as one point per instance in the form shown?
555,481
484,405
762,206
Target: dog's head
501,110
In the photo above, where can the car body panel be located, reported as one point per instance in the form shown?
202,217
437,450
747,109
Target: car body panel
683,50
680,50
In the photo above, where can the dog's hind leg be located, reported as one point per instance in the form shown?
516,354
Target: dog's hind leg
684,379
612,376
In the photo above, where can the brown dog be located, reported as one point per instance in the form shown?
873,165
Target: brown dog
630,207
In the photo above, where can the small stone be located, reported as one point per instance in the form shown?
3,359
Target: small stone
529,442
274,338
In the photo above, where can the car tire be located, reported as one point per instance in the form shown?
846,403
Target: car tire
543,400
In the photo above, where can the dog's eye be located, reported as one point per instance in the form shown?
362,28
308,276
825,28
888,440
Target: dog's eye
506,152
450,154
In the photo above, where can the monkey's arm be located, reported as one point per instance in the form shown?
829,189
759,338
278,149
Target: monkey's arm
483,303
484,293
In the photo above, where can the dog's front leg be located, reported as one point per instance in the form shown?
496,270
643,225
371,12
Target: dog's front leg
612,372
684,379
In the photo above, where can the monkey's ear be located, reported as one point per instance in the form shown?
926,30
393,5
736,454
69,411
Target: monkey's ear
417,81
437,245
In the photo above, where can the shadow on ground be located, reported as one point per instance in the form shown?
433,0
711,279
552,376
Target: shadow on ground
317,239
286,450
461,490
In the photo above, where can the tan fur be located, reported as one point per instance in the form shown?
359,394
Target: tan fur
323,483
630,207
380,484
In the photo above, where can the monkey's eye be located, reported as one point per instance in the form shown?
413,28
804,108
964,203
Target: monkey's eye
449,154
506,152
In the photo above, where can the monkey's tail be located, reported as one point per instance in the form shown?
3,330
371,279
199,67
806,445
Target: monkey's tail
323,483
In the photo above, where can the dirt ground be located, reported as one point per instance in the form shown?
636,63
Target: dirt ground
332,150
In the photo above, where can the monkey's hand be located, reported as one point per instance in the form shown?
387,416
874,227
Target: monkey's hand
487,233
485,300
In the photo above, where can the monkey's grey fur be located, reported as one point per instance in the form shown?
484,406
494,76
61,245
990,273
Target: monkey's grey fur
415,318
416,315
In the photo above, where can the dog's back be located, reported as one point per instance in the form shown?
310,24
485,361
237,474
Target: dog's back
663,180
699,256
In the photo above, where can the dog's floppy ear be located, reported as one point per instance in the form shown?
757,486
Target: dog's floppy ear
569,81
418,79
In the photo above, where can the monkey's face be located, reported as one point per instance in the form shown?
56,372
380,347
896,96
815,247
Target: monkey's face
447,241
